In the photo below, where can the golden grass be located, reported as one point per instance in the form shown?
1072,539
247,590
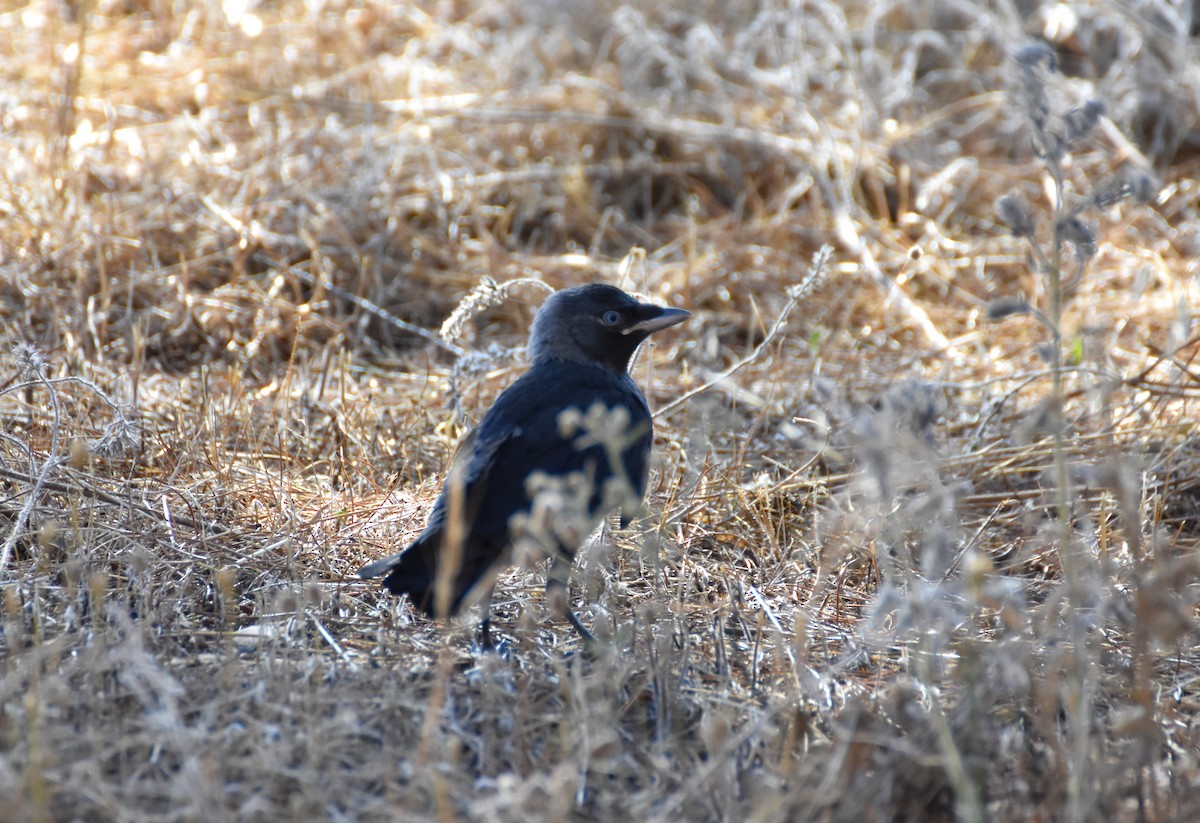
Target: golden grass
859,591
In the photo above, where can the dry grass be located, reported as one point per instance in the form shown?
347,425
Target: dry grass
888,572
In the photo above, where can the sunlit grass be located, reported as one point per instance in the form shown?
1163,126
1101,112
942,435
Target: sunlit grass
846,599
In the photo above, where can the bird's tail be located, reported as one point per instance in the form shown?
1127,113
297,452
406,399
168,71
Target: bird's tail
407,573
379,567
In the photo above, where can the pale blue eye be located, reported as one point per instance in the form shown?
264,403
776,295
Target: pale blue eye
611,318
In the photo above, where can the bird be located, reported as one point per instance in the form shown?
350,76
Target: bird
574,426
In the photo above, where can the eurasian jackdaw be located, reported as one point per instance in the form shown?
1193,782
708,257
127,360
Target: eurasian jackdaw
574,426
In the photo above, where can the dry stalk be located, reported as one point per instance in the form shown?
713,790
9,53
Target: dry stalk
794,295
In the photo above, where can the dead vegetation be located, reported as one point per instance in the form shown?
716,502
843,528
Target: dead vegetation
919,547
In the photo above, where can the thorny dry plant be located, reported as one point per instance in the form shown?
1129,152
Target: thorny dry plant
261,265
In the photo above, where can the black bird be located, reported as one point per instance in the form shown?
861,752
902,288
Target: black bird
539,431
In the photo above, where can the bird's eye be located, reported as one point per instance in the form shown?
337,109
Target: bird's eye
611,318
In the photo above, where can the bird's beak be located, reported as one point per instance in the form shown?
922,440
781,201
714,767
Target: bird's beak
656,318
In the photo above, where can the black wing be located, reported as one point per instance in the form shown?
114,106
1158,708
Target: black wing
519,436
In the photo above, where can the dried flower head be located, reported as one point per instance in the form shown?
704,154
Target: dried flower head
1016,212
1034,62
120,437
485,295
1082,119
30,360
1131,182
1071,229
1142,185
1003,307
814,278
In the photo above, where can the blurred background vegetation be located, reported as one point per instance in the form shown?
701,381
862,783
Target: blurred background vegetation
920,544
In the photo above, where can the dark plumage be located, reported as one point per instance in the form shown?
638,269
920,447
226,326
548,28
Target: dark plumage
580,346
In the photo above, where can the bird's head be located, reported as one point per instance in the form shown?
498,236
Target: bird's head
596,324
